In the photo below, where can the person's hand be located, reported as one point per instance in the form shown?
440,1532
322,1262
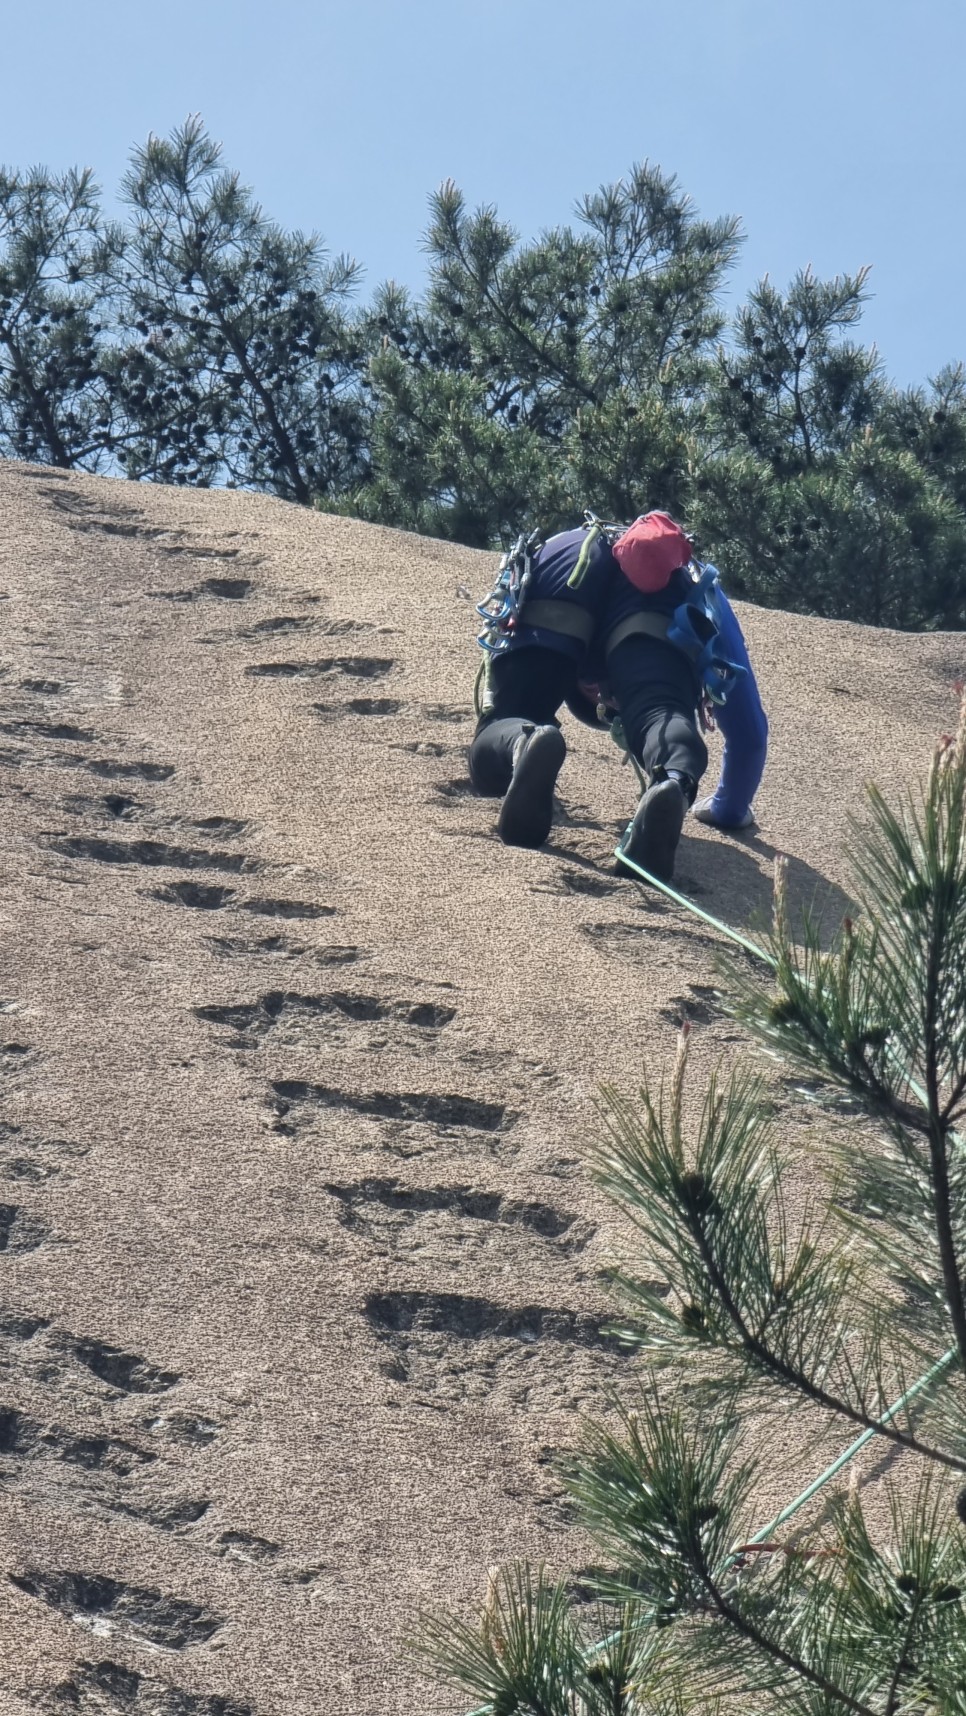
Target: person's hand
707,811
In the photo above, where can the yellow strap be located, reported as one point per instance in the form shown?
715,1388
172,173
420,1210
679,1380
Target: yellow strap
481,686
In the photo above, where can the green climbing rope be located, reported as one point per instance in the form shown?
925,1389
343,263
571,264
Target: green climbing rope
689,905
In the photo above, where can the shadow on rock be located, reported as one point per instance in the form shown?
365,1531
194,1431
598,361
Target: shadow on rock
727,878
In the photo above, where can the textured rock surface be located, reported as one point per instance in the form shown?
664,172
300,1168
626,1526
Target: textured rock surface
299,1266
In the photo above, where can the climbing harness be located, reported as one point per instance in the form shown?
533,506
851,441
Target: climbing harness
501,609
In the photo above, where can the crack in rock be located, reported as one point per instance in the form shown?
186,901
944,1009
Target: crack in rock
187,1427
19,1232
242,947
355,666
361,706
262,1015
246,1546
49,730
129,1372
473,1318
23,1438
268,908
464,1201
107,1688
109,769
198,896
152,853
227,589
163,1516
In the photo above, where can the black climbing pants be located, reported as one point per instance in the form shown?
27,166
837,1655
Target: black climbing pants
657,693
655,687
527,686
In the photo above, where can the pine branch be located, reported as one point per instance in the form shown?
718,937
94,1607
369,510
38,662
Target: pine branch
38,399
544,357
892,1696
770,1647
782,1372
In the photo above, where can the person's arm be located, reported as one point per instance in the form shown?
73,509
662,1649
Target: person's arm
744,728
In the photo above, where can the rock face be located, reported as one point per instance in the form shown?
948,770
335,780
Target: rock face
299,1262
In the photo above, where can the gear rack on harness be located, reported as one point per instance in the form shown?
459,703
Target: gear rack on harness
501,608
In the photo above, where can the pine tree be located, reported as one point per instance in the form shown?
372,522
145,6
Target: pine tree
56,256
818,485
589,367
534,380
241,363
930,422
827,1314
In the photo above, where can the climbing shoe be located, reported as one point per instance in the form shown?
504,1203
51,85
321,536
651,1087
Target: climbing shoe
651,840
526,813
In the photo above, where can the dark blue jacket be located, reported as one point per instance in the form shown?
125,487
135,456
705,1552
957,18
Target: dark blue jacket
550,569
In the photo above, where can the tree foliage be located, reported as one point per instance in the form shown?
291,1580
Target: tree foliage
592,366
816,485
534,380
247,365
56,256
826,1313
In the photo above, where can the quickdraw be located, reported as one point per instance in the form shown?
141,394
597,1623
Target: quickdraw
500,610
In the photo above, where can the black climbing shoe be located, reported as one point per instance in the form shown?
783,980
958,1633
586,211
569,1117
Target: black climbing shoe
652,839
526,813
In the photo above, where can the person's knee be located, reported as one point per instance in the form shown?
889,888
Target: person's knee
487,769
491,756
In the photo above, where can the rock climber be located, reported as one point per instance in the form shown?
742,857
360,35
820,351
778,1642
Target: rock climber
623,608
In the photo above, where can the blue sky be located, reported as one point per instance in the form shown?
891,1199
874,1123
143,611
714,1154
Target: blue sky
837,132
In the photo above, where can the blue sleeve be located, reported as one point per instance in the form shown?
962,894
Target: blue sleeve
744,728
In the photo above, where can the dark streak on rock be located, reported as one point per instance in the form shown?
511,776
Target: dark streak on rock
441,1111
